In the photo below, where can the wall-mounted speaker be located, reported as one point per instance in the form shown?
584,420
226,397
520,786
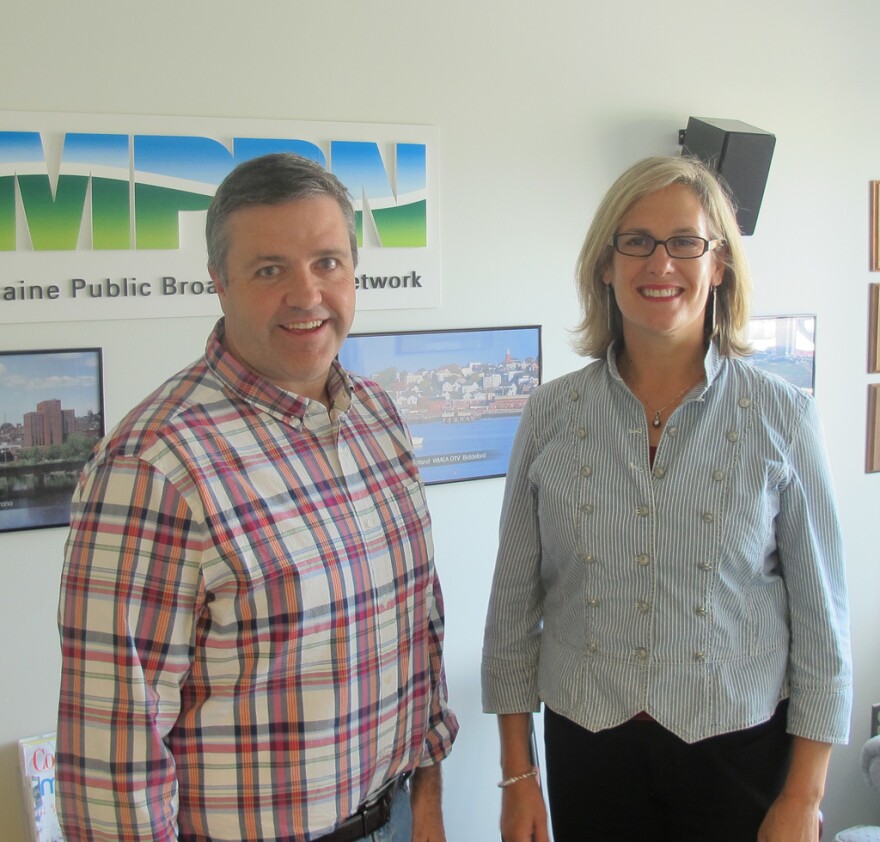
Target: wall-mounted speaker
738,152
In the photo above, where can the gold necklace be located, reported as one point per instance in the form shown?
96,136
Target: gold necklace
655,421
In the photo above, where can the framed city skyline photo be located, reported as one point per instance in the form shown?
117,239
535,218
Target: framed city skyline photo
51,416
461,392
785,345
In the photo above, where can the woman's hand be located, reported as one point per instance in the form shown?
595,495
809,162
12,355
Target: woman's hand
523,813
794,815
790,819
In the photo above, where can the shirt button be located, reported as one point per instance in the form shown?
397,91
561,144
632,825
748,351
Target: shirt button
593,602
587,558
672,431
704,565
699,656
745,403
644,606
659,472
643,560
581,432
643,511
574,394
586,471
733,436
592,647
708,517
700,611
718,475
641,653
587,508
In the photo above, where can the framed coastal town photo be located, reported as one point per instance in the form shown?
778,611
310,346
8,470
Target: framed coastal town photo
460,392
785,345
51,416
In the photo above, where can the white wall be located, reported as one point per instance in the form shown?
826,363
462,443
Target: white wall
539,106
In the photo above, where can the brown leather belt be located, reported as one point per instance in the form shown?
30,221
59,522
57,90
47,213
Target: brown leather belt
371,815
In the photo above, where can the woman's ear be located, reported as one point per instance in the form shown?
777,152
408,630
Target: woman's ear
718,273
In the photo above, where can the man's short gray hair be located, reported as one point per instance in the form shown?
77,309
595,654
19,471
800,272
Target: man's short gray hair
271,180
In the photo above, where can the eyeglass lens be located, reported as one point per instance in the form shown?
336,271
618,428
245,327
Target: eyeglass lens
643,245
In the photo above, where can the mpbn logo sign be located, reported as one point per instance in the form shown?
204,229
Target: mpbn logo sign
127,191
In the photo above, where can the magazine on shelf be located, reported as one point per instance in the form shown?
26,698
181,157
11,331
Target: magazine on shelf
37,760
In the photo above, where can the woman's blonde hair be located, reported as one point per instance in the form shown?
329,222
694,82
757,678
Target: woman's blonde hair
601,324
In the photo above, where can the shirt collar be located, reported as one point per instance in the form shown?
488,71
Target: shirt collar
264,394
712,362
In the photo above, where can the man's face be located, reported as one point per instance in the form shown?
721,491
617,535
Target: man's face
289,296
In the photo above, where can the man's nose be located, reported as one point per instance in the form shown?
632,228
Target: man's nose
303,289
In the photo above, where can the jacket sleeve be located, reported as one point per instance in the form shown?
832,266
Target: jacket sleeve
129,594
514,621
811,553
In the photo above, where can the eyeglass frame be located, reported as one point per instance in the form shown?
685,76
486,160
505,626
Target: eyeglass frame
708,245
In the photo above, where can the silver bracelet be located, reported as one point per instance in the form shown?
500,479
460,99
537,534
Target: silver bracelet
533,773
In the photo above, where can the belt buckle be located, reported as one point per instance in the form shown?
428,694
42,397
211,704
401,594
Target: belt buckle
382,799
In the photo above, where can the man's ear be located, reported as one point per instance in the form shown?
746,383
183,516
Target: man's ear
218,285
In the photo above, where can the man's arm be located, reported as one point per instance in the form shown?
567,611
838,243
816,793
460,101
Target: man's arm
427,807
125,619
426,783
442,722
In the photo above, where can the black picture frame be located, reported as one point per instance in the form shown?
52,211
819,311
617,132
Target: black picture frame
460,391
51,416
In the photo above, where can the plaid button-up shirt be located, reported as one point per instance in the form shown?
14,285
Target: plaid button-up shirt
250,618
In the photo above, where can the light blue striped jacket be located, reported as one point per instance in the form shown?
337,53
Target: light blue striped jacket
703,589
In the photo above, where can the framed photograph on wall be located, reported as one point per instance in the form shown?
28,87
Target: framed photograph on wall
460,392
875,225
873,328
51,416
786,346
872,443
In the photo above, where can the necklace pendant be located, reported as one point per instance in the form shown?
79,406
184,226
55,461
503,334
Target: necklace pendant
655,421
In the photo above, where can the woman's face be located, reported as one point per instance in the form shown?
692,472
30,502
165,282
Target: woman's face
662,296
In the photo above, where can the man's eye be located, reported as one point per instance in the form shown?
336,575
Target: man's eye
328,263
268,271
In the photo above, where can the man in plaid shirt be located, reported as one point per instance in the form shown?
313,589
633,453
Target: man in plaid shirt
250,619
